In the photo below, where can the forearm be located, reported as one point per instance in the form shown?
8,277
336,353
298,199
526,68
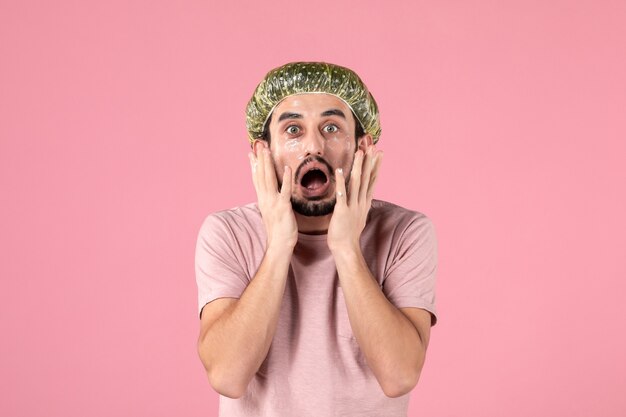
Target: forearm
234,347
389,341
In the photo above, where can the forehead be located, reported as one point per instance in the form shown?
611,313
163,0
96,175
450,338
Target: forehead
310,104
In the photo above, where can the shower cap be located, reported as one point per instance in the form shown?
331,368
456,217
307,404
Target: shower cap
311,77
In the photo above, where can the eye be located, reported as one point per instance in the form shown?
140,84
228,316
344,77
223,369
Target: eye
333,129
292,129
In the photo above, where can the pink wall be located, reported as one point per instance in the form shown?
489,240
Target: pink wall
122,127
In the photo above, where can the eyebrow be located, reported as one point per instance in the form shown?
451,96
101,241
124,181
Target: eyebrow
335,112
331,112
287,115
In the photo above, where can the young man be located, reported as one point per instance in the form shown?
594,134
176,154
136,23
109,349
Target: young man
317,300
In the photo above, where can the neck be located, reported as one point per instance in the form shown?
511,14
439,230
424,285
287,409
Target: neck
313,225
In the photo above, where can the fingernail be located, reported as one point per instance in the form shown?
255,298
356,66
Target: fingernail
340,171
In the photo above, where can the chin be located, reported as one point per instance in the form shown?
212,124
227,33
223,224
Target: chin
313,207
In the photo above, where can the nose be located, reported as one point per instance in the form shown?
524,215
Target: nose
314,143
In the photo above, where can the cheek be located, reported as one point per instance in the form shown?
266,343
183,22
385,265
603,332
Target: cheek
291,151
339,148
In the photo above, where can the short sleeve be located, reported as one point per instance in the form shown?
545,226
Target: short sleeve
219,268
412,273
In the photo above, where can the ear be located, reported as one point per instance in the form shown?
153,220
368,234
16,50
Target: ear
257,145
365,141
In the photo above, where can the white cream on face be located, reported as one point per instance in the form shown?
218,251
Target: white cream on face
292,145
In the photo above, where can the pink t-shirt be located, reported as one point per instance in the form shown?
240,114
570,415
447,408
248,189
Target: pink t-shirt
314,366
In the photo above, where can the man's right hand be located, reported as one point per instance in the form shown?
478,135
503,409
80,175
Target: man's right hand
275,206
236,335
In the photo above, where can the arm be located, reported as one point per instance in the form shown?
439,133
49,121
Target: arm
394,342
235,336
233,347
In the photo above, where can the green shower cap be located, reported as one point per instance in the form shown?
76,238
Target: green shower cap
311,77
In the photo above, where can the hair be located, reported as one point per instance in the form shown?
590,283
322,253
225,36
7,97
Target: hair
358,130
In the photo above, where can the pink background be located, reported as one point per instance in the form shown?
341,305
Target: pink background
122,126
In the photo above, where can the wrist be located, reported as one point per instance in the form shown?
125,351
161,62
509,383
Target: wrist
279,248
277,259
345,249
349,261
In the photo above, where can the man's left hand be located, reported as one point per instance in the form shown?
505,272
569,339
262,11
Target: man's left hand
350,213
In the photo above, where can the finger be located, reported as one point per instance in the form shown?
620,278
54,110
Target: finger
270,173
260,169
340,187
253,166
377,162
285,190
355,177
368,165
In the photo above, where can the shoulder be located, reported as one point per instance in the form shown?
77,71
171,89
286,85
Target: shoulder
233,221
387,215
235,214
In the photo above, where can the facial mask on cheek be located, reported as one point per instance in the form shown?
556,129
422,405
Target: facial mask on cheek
291,152
294,150
292,146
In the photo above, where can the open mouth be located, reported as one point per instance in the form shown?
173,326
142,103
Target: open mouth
315,182
314,179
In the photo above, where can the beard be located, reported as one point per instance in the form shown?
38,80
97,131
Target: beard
312,208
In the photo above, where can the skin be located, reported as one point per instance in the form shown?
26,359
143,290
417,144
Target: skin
236,334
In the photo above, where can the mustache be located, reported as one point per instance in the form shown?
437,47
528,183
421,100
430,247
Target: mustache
310,159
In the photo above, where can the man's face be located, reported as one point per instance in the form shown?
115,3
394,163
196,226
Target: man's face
314,135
